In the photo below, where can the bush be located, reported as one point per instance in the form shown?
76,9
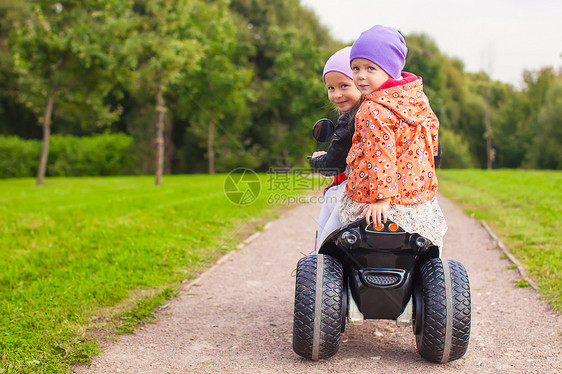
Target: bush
106,154
455,151
18,157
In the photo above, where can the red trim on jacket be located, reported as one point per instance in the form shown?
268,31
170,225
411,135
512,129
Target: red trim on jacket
406,78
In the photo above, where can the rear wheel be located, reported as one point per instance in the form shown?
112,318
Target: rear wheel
442,310
318,315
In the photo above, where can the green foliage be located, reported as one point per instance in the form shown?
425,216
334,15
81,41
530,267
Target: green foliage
424,59
85,254
288,95
218,94
68,48
512,131
241,82
455,150
65,54
524,209
525,123
460,114
106,154
297,68
15,118
546,147
18,157
161,42
472,126
461,100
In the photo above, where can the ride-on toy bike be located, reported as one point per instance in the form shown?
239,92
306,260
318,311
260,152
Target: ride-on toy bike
365,272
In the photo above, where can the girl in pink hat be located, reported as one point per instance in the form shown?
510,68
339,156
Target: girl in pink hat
338,78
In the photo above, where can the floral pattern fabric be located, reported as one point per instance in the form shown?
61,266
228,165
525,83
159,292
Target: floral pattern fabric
425,219
393,146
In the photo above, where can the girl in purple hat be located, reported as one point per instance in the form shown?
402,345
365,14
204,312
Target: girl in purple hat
391,160
338,78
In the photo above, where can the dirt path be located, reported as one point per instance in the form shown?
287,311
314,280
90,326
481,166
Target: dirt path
237,317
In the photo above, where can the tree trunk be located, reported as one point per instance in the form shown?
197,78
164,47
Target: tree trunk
160,109
210,145
211,137
46,136
489,150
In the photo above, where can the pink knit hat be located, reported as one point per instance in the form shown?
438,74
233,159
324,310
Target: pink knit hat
384,46
339,62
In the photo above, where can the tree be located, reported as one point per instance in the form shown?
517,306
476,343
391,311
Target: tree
290,49
15,118
152,60
455,150
511,126
545,151
424,59
517,128
219,92
64,54
164,45
444,83
298,97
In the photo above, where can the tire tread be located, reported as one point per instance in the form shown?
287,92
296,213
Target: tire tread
304,311
431,340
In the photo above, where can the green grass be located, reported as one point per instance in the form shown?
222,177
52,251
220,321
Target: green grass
88,257
524,208
80,257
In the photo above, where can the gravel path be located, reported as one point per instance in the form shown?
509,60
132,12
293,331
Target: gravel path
237,317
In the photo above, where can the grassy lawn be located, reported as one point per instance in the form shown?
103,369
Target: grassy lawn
84,256
97,254
524,208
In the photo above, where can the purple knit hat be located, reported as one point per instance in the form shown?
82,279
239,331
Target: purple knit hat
338,62
384,46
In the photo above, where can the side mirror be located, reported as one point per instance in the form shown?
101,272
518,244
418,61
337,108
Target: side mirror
323,130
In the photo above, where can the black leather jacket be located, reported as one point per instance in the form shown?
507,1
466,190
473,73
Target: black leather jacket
333,162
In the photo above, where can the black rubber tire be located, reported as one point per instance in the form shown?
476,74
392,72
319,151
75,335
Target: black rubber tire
318,315
442,310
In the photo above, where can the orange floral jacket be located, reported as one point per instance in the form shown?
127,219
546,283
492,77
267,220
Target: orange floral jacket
395,139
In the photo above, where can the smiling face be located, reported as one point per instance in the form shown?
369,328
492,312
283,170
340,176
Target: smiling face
341,91
367,75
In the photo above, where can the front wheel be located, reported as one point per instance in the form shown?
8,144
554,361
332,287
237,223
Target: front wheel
318,315
442,310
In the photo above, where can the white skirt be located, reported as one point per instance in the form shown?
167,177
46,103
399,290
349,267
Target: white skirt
425,218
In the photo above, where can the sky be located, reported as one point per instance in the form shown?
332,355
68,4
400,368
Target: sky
500,37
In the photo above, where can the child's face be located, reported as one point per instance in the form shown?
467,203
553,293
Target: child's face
367,75
341,91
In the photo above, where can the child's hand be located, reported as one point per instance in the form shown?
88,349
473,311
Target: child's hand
318,153
377,210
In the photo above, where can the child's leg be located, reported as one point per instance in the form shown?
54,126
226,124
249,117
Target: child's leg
329,215
333,223
325,213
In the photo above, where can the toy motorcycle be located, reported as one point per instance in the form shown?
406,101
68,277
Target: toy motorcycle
366,272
